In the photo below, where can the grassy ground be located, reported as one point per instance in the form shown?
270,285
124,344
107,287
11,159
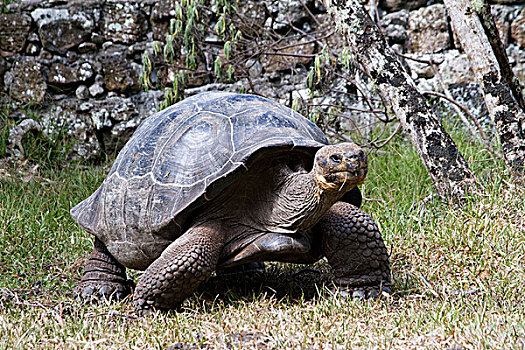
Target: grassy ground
458,271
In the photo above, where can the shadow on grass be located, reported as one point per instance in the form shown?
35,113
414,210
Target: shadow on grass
285,282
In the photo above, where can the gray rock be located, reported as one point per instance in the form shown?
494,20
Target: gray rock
61,30
64,117
85,107
517,60
62,74
255,12
254,67
120,74
503,16
32,49
273,63
87,47
161,14
97,38
123,21
395,26
33,38
518,29
4,66
420,69
285,13
82,92
455,68
428,29
17,133
96,89
396,5
27,84
14,30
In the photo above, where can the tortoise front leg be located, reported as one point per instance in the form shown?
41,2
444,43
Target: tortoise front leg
355,250
104,277
181,268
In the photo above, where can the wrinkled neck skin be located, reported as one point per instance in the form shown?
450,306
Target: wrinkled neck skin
304,197
279,198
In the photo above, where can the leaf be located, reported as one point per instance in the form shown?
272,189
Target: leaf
230,72
217,67
227,49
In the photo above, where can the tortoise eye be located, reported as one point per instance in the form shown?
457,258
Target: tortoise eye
336,158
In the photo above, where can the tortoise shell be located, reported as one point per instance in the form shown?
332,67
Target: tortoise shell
178,159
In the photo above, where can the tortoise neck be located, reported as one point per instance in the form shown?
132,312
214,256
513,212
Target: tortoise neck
302,196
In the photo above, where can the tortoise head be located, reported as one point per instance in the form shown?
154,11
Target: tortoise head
340,167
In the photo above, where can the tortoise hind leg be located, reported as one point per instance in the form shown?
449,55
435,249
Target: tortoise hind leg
103,278
181,268
355,250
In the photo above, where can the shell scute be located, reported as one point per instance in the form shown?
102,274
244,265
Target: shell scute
198,149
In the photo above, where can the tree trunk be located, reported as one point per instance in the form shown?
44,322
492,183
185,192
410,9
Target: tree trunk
474,27
445,165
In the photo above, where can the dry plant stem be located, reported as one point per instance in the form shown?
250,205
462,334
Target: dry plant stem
463,109
315,40
489,25
420,60
388,139
348,108
456,107
318,41
446,166
374,13
459,108
481,133
310,13
475,30
290,54
338,135
356,128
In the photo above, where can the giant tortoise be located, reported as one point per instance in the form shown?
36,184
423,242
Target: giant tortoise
223,179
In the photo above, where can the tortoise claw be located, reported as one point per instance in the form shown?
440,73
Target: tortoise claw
363,292
97,291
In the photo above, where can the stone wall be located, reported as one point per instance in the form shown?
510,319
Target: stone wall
77,63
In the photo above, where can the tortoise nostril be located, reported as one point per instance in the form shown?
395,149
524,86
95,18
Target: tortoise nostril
336,158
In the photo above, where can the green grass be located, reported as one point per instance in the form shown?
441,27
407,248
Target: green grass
458,272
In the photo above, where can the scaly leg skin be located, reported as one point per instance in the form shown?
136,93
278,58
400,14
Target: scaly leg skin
180,269
355,250
104,277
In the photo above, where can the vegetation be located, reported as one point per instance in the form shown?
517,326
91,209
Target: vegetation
4,5
458,271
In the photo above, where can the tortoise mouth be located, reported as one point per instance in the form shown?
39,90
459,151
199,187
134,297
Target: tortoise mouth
343,176
341,179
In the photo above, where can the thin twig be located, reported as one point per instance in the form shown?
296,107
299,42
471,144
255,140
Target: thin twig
310,13
339,135
302,43
455,106
388,139
420,60
348,108
290,54
366,199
